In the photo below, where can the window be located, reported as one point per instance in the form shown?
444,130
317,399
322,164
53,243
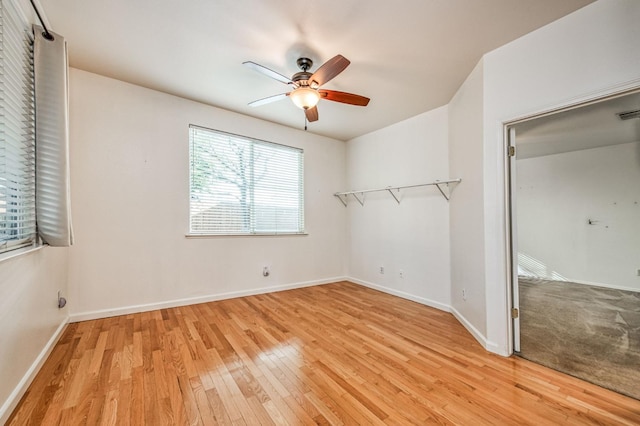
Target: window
244,186
17,122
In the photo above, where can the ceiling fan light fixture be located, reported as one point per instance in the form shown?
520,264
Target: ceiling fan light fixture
306,86
305,97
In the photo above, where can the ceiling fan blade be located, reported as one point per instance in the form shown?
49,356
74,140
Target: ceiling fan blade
268,100
328,70
343,97
269,73
312,114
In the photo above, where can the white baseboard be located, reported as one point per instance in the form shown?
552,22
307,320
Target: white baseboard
488,345
590,283
15,396
494,348
402,294
611,286
105,313
471,329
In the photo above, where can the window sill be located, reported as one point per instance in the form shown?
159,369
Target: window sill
20,252
282,234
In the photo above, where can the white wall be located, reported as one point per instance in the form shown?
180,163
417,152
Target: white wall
466,215
413,236
587,54
129,167
30,320
558,195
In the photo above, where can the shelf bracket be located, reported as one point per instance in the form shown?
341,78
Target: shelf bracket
342,200
437,184
359,200
394,195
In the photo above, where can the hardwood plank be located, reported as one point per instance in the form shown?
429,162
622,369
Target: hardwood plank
333,354
191,410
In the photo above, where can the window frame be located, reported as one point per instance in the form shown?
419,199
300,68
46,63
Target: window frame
21,101
251,232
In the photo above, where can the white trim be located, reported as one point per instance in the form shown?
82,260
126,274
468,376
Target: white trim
595,96
496,349
15,396
513,301
402,294
259,234
106,313
486,344
4,256
590,283
471,329
611,286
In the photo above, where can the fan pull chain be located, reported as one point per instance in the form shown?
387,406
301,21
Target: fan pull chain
305,122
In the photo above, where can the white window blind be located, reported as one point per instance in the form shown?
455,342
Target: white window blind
243,186
17,123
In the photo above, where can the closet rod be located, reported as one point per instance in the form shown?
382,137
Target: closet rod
390,189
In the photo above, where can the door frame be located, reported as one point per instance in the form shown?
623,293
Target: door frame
510,170
512,215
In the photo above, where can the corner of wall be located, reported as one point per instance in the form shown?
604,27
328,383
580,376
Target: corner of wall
29,284
466,161
21,388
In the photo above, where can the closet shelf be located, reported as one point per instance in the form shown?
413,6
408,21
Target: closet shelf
359,195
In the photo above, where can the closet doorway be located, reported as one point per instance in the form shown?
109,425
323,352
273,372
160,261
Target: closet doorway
575,230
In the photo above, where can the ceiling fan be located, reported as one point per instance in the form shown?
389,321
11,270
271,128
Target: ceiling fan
306,86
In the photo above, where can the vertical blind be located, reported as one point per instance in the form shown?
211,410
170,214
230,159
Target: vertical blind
17,122
53,192
240,185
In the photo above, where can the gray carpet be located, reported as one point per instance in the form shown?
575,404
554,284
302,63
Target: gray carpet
589,332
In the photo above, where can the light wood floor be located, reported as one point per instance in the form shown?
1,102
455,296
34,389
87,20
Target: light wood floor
332,354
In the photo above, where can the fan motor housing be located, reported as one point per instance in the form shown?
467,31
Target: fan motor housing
301,77
304,64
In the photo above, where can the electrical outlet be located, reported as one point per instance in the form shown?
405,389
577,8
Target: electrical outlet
265,271
638,272
401,273
464,294
382,270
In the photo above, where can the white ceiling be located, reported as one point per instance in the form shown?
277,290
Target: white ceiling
408,56
591,126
